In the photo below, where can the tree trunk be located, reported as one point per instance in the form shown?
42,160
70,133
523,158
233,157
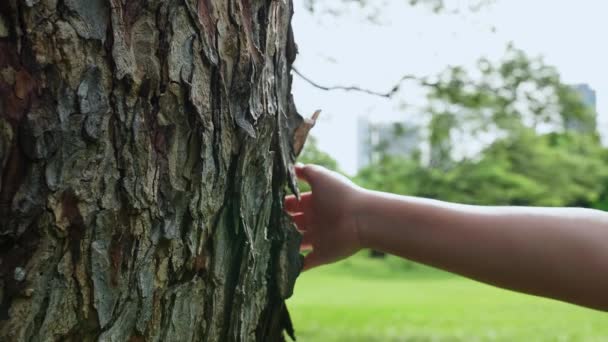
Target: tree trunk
145,147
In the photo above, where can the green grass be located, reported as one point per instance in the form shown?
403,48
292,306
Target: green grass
361,299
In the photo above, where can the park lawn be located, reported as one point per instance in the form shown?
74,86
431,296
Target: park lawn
362,299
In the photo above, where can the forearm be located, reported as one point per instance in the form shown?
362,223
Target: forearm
558,253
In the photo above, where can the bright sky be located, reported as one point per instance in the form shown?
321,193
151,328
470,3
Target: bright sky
348,50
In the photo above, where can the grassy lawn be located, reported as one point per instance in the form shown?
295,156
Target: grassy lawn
391,300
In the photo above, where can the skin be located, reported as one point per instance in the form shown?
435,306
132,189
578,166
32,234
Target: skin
559,253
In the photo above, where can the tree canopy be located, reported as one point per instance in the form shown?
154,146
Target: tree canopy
545,149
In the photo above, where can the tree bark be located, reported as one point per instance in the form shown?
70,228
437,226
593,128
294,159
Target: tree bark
145,147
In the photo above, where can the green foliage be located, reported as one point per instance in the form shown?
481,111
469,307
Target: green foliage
440,139
511,100
527,169
391,174
437,6
517,92
313,155
557,169
448,5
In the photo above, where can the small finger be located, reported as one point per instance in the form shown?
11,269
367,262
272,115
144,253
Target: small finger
302,172
300,220
304,248
307,238
310,173
292,204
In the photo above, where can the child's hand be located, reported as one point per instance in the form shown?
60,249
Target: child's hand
326,217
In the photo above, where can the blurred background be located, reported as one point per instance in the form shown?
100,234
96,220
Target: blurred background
497,102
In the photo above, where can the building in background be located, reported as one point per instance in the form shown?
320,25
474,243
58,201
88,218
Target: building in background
589,98
587,94
403,139
393,138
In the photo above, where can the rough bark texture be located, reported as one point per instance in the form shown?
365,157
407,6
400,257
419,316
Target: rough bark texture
145,147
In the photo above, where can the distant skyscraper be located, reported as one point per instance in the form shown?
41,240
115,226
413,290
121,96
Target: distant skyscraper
587,94
589,98
396,139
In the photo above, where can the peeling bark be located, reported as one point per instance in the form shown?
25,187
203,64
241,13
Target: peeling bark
144,151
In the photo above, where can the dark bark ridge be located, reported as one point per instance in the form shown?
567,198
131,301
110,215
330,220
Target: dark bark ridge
144,151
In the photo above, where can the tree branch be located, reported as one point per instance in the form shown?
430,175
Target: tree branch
389,94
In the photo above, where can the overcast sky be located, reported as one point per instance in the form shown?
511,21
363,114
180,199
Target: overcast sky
349,50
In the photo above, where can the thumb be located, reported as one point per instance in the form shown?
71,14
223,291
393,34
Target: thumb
312,260
312,174
309,173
